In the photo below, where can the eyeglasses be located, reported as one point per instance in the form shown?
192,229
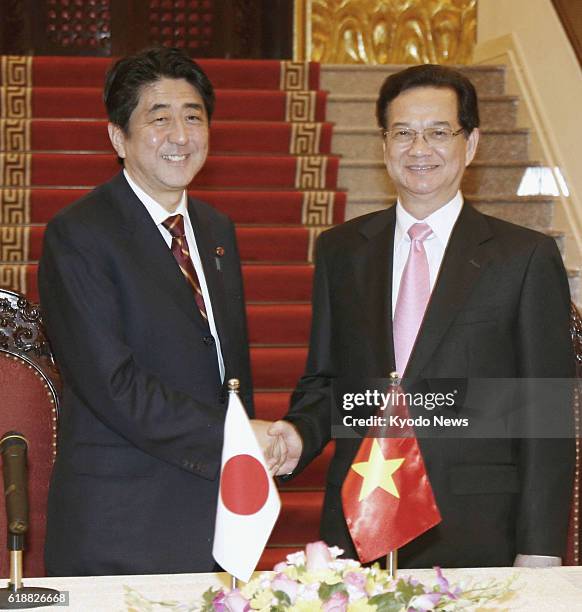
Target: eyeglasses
433,136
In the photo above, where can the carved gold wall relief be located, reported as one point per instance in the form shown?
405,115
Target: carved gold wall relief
388,31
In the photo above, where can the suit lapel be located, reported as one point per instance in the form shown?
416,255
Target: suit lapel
152,256
373,287
465,259
207,243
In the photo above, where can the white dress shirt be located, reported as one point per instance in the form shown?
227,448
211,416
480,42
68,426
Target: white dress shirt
441,222
159,214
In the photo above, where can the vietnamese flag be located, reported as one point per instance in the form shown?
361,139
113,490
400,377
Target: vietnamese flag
387,497
248,501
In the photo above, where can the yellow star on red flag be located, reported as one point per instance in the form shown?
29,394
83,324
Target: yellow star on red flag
377,472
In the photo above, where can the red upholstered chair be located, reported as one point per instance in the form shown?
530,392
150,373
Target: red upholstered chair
29,386
574,554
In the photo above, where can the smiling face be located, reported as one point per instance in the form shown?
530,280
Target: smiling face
427,177
166,143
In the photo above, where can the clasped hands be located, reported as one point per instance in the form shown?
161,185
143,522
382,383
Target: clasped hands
281,445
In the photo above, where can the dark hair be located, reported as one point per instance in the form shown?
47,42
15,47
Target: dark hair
128,75
431,75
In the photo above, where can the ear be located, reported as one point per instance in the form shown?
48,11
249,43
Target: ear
117,137
471,146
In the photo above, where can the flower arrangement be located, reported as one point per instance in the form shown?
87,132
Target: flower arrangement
317,580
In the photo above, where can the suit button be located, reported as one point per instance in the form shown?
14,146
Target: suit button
208,340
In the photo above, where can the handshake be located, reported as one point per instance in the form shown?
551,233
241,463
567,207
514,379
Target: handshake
281,445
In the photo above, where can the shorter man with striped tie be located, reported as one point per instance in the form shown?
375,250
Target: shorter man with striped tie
435,290
142,295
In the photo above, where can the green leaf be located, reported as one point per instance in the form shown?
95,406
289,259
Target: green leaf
327,590
386,602
208,598
284,600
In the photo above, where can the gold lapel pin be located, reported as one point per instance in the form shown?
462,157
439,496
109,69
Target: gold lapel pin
219,251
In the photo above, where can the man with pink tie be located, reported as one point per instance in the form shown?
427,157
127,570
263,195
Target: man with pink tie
435,290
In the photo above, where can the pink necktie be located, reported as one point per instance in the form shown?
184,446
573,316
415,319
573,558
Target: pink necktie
413,296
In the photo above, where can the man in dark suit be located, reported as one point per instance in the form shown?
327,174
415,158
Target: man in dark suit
142,295
491,301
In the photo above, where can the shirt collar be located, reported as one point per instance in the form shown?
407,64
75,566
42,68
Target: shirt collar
441,221
157,212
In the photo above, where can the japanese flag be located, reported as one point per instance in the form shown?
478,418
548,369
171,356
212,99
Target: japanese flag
248,501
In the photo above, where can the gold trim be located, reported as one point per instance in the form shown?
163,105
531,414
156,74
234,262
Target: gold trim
314,233
317,208
305,138
14,244
16,102
15,169
14,135
311,172
301,106
301,30
16,70
15,208
294,76
13,277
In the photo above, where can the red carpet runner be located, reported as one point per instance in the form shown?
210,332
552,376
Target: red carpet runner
270,170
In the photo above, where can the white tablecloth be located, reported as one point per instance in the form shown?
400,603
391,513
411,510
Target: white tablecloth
543,590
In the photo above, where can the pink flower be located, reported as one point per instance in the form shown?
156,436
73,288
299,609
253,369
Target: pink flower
338,602
285,584
357,581
318,556
280,567
231,602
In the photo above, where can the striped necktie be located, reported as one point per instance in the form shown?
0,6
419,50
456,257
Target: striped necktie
175,225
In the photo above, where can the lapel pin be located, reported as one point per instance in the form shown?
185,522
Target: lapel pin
474,263
219,251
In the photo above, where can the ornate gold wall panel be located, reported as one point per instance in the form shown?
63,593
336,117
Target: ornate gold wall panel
386,31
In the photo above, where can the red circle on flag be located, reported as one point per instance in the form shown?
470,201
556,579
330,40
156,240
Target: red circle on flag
244,485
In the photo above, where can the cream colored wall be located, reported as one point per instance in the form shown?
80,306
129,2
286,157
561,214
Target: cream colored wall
528,36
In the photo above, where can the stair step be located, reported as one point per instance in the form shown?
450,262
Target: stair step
299,519
347,78
531,211
279,137
231,104
482,178
278,367
22,243
494,144
279,323
355,109
271,405
263,283
241,73
232,171
285,207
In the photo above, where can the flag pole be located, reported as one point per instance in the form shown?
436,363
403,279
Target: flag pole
392,563
392,556
233,387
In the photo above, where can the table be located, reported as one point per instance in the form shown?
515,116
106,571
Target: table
555,589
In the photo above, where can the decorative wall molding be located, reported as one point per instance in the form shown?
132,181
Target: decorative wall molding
385,31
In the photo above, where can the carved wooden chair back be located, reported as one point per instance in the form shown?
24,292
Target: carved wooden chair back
29,387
